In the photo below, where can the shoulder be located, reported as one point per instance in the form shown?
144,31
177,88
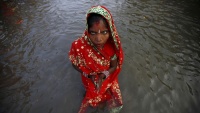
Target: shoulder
77,42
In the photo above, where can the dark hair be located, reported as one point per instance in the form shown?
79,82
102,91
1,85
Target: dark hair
93,18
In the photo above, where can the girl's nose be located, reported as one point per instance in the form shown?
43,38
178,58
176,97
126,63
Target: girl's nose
98,38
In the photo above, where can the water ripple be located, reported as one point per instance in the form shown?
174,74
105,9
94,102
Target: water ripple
161,46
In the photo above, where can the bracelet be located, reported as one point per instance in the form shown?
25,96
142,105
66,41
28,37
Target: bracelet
106,73
84,74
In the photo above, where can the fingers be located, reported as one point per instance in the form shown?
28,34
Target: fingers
97,81
93,80
100,83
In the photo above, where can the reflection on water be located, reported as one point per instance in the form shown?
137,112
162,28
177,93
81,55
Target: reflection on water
160,41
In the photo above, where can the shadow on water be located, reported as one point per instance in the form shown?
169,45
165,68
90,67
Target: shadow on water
160,41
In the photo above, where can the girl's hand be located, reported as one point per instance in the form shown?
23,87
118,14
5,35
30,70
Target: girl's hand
100,80
102,76
95,82
92,78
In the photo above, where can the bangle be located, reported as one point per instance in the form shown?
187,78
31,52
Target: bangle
106,73
84,74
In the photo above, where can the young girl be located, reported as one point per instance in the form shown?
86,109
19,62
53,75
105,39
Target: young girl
98,56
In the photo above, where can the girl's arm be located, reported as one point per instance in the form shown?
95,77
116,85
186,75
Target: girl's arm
113,66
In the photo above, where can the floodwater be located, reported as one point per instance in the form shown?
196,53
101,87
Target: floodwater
160,38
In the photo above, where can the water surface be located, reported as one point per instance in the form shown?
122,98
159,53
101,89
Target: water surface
160,40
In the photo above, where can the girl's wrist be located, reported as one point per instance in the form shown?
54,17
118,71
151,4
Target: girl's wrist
87,75
106,73
84,74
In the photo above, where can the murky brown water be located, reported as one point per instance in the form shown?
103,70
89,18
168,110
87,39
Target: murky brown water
161,42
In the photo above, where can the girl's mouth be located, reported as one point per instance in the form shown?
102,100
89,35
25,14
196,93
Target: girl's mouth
99,45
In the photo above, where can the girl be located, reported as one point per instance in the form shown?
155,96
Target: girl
98,56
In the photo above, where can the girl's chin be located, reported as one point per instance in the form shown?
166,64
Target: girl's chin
99,45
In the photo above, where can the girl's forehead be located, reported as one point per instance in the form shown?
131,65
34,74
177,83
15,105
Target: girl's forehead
98,23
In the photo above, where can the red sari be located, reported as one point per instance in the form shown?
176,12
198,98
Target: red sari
91,61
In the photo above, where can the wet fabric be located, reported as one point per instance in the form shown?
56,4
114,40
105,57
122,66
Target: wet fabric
92,61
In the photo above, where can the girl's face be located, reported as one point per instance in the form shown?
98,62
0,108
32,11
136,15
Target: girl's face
99,34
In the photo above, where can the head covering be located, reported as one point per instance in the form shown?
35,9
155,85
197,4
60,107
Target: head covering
103,11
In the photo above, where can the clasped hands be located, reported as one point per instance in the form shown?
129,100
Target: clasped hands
99,81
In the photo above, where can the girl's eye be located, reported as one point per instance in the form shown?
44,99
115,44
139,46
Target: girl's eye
104,32
92,33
